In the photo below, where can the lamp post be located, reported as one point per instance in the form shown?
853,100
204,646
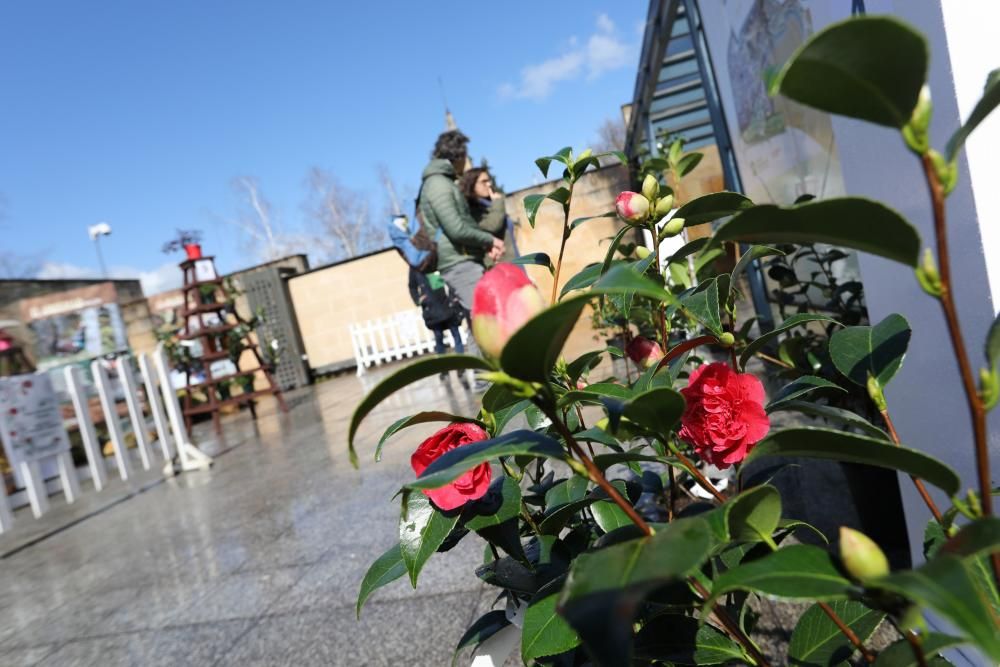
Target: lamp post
96,232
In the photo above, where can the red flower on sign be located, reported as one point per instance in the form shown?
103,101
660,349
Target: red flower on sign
470,486
724,417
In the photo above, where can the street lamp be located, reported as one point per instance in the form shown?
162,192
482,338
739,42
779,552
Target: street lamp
96,232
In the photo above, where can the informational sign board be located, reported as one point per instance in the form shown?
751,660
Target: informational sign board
31,426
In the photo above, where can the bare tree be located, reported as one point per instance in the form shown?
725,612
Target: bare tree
342,215
14,265
610,136
261,227
390,188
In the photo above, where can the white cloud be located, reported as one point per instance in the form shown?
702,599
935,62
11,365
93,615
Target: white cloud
165,277
602,52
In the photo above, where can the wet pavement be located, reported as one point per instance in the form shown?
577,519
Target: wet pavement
255,562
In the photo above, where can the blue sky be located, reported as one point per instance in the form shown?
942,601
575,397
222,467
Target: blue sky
142,114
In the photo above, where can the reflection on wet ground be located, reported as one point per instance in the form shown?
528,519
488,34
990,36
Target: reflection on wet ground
256,561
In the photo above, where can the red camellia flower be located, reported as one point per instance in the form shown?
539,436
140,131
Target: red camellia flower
632,207
643,351
505,298
725,415
470,486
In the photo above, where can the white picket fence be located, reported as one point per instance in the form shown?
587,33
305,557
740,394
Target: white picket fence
392,338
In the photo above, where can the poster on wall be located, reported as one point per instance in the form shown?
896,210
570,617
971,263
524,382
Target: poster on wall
75,325
31,425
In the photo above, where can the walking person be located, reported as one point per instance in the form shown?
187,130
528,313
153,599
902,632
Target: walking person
462,245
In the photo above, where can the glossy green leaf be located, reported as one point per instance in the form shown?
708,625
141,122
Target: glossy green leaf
388,568
586,277
497,397
703,305
605,461
979,537
993,343
795,320
673,552
561,155
849,222
535,259
504,415
419,418
624,279
609,516
533,350
579,221
711,207
509,508
683,640
585,362
545,632
822,443
986,104
687,163
657,410
531,205
688,248
595,394
422,529
613,247
453,464
754,515
818,642
418,370
800,387
945,585
839,415
900,654
858,352
485,627
560,195
800,571
869,67
565,492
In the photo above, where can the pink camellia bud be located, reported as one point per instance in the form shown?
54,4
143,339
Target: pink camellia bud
632,207
503,301
643,351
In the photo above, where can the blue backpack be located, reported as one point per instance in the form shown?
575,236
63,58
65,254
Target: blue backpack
413,244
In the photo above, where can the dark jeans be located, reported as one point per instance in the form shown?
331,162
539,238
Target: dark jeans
455,336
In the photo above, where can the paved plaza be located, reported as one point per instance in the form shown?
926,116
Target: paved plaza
255,562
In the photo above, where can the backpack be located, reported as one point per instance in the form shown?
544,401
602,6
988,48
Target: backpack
414,245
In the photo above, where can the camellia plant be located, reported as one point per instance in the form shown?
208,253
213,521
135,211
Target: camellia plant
594,570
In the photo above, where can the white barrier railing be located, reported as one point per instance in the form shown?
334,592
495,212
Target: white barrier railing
392,338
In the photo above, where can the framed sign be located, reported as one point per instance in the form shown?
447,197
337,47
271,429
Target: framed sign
31,426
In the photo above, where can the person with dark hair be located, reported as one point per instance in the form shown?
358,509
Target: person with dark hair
461,244
486,205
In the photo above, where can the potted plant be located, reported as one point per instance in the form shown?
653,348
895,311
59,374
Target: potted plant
187,239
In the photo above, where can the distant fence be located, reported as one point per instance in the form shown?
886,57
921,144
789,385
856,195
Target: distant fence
392,338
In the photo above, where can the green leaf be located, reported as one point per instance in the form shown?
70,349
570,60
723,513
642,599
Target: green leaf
982,536
822,443
818,642
583,363
388,568
533,350
708,208
509,508
488,625
871,68
560,195
684,640
594,393
453,464
657,410
987,103
688,248
545,632
703,305
849,222
837,414
623,279
900,654
752,253
858,352
531,206
497,397
754,515
993,343
560,156
687,163
673,552
565,492
579,221
503,416
535,259
586,277
800,571
419,418
422,529
613,247
605,461
945,585
609,516
795,320
418,370
800,387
